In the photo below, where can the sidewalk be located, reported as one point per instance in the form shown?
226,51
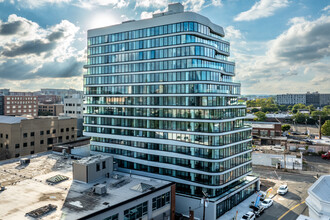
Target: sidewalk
242,209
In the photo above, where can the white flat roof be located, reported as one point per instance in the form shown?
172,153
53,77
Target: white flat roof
11,119
27,189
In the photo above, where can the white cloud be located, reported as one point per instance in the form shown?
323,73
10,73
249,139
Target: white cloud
151,3
297,60
29,51
327,8
232,33
146,15
194,5
79,3
262,9
37,3
216,2
89,4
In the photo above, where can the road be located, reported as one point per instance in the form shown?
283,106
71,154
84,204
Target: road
290,205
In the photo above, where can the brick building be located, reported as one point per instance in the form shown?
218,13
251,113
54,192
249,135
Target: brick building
16,105
51,109
267,133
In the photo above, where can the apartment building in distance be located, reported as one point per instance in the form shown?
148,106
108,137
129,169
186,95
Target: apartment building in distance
160,98
314,98
16,105
20,136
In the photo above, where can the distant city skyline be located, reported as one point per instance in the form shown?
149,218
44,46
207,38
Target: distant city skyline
279,46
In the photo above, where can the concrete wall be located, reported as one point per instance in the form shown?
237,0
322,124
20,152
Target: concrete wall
88,172
269,160
94,175
79,172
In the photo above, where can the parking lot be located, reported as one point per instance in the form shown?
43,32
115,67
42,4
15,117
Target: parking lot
292,204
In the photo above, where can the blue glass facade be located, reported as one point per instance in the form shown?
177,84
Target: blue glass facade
162,100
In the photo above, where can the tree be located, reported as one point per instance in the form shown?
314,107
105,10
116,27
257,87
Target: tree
296,107
316,114
286,127
311,108
325,129
283,108
261,116
300,118
326,109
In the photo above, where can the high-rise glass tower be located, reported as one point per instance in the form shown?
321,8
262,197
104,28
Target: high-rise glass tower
160,97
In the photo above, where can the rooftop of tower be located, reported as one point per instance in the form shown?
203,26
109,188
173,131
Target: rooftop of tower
174,14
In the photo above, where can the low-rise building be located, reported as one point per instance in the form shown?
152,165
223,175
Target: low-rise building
318,200
267,133
49,179
20,136
51,109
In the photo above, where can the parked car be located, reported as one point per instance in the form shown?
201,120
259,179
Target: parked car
249,216
326,156
267,203
258,210
282,190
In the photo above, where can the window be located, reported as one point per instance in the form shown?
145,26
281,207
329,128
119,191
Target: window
16,145
98,167
103,165
48,131
16,155
41,132
72,136
136,212
54,131
50,141
67,137
24,144
32,143
32,134
6,136
113,217
62,129
67,129
72,128
41,141
25,135
32,152
160,201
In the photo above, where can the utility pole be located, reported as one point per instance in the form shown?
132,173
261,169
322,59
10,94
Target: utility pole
205,202
320,137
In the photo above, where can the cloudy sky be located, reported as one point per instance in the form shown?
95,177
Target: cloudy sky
279,46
